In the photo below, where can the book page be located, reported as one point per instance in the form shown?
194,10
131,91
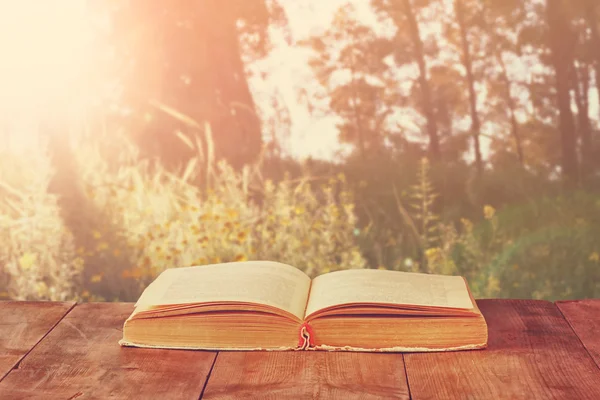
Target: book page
263,282
389,287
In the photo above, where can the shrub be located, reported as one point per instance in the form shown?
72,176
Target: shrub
37,252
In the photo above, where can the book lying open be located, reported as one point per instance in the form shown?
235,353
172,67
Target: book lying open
265,305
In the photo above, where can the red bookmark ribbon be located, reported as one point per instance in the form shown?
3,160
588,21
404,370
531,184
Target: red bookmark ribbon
305,336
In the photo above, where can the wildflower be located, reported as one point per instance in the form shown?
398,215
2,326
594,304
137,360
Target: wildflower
488,212
96,278
203,239
241,236
467,224
27,261
240,257
433,254
594,256
493,285
232,213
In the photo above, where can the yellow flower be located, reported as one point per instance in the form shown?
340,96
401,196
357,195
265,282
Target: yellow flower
241,236
203,239
594,256
96,278
96,234
493,285
433,254
27,261
232,213
240,257
102,246
468,225
488,211
41,289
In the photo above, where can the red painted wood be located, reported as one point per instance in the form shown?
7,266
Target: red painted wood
533,354
81,358
584,318
22,325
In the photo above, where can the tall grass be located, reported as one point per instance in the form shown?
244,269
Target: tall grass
98,221
135,218
37,253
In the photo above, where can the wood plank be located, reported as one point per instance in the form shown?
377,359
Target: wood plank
307,375
584,318
81,359
22,325
532,354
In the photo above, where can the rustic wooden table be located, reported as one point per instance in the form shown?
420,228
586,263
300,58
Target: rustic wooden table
537,350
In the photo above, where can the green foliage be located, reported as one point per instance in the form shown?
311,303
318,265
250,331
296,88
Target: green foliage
152,219
37,253
422,198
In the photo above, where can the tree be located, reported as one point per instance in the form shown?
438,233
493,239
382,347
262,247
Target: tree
561,43
409,47
591,12
191,56
349,65
467,59
502,21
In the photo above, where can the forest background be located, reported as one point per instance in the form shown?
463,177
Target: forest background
439,136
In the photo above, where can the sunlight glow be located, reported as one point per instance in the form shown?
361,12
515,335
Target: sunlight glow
45,48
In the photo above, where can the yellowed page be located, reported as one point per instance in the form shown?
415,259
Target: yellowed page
390,287
263,282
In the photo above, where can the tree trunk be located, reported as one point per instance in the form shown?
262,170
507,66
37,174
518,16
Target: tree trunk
514,125
232,111
510,102
561,44
360,137
427,103
581,86
590,14
468,64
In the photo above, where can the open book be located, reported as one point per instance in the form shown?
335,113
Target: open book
265,305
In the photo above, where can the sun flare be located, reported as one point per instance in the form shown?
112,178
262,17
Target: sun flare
45,56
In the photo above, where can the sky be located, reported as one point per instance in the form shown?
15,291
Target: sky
289,73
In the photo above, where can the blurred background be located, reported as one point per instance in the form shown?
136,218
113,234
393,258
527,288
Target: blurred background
438,136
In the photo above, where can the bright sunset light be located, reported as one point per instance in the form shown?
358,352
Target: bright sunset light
46,56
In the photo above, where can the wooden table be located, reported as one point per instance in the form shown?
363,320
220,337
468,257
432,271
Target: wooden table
537,350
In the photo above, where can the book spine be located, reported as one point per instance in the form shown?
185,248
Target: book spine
305,337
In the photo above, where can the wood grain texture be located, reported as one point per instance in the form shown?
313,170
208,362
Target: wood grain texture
81,359
22,325
307,375
584,318
532,354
